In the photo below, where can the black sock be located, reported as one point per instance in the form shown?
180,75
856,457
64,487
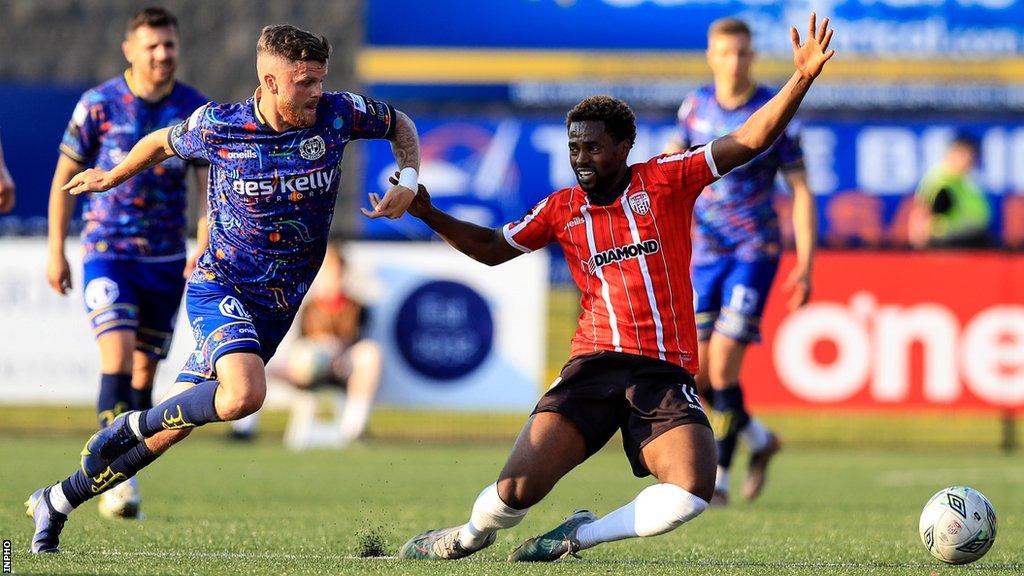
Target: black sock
734,417
78,487
114,398
193,407
141,399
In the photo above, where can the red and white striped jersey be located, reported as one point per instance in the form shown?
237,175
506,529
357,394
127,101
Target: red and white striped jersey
630,258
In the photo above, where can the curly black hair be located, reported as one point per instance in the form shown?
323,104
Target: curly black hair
617,116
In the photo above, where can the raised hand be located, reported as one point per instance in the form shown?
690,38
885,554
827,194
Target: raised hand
394,203
417,206
420,204
91,180
810,57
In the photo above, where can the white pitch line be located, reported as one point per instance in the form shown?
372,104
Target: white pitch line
222,555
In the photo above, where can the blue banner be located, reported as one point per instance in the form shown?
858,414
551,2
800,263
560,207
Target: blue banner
32,121
922,28
491,171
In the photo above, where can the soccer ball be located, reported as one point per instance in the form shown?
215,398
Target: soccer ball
958,525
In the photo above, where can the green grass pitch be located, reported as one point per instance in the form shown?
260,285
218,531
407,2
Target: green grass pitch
218,508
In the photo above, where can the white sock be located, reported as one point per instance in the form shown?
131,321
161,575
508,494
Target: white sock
59,501
354,417
756,435
490,514
133,424
722,480
655,510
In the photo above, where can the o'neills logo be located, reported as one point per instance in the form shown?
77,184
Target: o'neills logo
620,253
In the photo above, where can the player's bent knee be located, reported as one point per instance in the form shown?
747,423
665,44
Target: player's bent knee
240,403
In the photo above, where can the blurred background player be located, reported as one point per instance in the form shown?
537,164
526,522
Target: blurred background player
331,351
134,239
633,355
950,210
270,214
7,187
737,244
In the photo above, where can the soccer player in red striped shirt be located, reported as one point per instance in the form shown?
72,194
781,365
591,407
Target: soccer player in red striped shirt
625,231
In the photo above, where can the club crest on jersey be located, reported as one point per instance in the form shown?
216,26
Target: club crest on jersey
640,202
232,308
312,148
620,253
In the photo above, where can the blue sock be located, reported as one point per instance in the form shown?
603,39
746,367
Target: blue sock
734,417
78,487
141,399
193,407
114,397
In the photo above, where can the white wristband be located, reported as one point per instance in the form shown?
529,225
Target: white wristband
409,178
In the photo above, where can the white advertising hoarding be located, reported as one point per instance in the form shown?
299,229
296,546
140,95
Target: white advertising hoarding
455,334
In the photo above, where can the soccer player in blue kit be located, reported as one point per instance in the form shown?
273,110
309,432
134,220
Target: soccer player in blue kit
134,240
737,245
274,174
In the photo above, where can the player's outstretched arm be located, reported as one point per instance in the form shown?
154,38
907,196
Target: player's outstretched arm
766,124
485,245
405,145
148,152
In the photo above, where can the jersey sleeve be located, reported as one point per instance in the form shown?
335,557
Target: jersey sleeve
791,154
362,116
533,231
683,135
198,100
186,139
689,171
81,141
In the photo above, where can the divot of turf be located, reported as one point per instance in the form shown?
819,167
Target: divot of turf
372,544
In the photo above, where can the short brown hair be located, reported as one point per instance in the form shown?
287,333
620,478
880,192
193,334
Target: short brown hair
293,44
153,17
617,116
729,27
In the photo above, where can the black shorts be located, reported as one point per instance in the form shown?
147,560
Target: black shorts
608,391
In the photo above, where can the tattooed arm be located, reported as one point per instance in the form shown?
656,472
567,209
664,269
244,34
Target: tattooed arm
405,144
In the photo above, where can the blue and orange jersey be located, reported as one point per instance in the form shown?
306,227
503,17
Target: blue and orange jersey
735,215
272,194
145,216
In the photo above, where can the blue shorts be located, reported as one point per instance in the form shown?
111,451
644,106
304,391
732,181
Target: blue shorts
729,297
222,323
138,295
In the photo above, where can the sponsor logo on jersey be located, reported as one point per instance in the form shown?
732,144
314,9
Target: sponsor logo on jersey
574,222
247,154
100,292
620,253
316,180
312,148
232,308
640,202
